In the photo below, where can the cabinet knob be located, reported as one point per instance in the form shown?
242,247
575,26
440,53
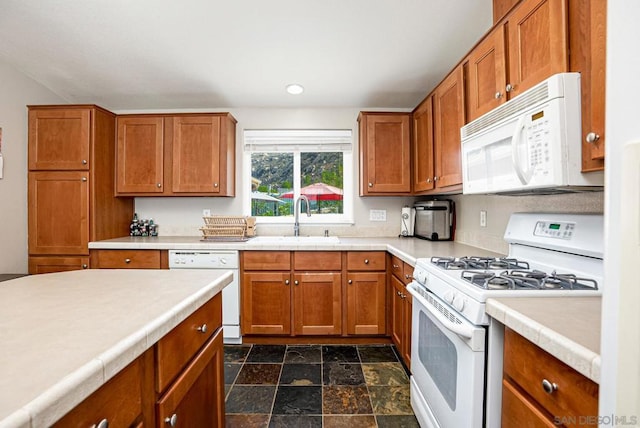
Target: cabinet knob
127,261
435,178
84,266
159,185
549,387
592,137
296,282
215,184
407,276
171,420
498,95
370,184
286,282
84,162
395,266
350,282
202,328
509,87
366,261
84,179
428,180
102,424
398,293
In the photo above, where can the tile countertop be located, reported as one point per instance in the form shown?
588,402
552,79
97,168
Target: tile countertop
63,335
566,327
408,249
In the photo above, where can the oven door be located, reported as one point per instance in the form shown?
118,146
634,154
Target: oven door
447,361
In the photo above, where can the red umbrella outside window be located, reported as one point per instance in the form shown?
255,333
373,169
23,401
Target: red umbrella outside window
317,192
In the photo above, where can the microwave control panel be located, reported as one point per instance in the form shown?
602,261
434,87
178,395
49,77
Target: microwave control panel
538,134
557,229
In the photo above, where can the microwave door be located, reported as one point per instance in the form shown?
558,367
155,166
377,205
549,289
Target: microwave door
520,143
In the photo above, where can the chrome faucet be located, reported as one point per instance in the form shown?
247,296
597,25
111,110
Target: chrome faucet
296,215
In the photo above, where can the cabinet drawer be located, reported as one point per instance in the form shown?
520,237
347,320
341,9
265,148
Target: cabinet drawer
317,260
397,267
516,408
126,259
528,365
175,349
119,401
266,260
366,260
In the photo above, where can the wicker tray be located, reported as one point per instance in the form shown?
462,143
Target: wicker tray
217,227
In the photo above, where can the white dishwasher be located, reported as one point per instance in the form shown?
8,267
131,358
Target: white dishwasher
218,259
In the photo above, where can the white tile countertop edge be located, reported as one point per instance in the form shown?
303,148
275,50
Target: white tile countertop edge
566,349
54,402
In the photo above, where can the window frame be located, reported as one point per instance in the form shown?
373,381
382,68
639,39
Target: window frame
296,149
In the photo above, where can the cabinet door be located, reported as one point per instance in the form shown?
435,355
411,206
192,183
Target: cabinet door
59,139
405,352
47,264
487,75
196,398
59,212
384,154
196,154
366,303
317,303
397,313
266,303
423,146
587,44
139,163
449,118
537,43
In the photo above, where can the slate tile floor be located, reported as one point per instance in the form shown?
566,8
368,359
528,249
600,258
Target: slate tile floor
309,386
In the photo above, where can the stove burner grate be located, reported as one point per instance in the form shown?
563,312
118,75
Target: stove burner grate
518,279
475,262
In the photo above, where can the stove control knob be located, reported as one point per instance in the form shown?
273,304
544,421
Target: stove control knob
458,303
449,297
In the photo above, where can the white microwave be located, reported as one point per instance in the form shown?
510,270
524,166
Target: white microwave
530,144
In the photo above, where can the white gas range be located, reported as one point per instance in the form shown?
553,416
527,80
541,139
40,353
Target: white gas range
549,255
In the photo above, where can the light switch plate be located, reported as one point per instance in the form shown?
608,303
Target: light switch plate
378,215
483,218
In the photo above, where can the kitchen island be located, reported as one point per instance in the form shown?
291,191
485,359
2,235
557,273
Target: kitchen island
64,335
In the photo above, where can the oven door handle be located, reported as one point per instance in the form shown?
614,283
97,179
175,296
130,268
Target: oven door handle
463,330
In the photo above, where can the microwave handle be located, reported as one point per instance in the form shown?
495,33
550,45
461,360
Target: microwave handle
523,175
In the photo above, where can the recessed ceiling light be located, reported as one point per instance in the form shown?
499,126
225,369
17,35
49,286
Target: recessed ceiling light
295,89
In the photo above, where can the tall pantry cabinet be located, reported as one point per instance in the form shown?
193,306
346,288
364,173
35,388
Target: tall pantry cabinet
71,186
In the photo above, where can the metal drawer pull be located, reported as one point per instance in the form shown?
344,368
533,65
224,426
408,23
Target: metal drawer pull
159,185
396,266
127,260
370,184
407,276
84,179
549,387
398,293
296,282
171,421
592,137
84,162
84,266
350,282
286,282
102,424
366,261
202,328
498,95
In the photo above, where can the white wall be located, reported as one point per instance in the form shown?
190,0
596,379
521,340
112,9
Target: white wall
183,216
16,92
620,345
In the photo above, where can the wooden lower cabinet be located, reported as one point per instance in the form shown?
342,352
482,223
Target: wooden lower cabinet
366,303
401,311
568,399
196,398
180,379
129,259
46,264
317,303
266,303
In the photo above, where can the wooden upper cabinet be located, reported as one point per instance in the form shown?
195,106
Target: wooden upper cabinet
501,8
487,75
422,149
384,153
537,40
587,44
59,139
449,113
53,229
140,159
196,154
179,155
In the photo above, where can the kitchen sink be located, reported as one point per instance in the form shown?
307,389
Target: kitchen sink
312,240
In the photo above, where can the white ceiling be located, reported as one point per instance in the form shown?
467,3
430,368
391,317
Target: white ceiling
159,54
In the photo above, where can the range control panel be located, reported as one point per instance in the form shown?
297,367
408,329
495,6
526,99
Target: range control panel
555,229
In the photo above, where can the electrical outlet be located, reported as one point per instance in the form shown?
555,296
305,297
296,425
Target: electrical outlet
378,215
483,218
206,213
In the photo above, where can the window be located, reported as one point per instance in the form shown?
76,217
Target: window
282,165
